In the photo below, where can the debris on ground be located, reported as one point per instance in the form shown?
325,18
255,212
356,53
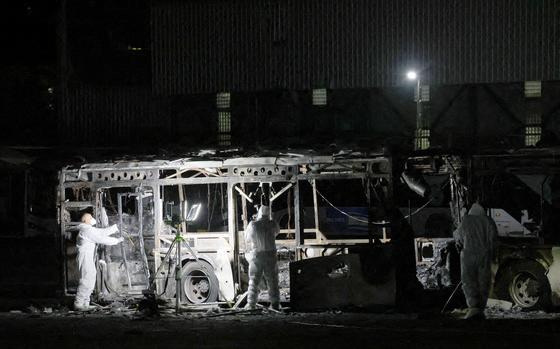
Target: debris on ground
241,301
134,309
517,313
498,305
458,313
284,259
33,310
149,306
118,306
501,310
236,312
256,330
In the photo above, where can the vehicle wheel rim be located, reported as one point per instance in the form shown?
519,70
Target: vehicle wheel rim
519,290
196,286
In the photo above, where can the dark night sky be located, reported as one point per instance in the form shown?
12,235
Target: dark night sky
29,34
108,42
28,70
100,37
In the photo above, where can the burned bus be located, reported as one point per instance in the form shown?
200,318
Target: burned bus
521,193
207,200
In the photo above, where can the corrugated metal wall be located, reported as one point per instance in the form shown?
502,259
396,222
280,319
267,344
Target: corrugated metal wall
94,115
213,45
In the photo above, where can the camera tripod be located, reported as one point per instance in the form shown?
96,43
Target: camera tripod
175,244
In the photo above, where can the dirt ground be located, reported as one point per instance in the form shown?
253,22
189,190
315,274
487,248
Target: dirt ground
51,325
290,330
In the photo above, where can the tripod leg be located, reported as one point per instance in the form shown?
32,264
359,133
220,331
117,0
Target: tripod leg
178,277
167,254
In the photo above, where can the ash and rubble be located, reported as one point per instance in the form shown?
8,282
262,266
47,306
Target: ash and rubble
132,309
285,256
436,274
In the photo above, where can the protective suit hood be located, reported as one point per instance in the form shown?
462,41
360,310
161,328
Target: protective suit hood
477,210
264,213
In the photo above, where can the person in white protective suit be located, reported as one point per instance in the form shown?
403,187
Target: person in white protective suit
260,252
476,239
87,238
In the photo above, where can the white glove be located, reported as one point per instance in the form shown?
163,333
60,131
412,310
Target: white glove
115,228
249,256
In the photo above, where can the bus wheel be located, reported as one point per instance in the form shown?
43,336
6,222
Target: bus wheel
524,283
200,284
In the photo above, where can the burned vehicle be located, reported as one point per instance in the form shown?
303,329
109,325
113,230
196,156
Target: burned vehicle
521,194
206,201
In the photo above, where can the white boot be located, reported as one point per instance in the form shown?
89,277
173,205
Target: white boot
83,306
249,306
475,314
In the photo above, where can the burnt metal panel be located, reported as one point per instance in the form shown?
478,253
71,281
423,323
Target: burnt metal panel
248,45
344,281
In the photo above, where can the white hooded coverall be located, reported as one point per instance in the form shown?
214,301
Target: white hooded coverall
87,238
476,236
260,252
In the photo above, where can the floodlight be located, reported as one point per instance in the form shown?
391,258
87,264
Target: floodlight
411,75
193,213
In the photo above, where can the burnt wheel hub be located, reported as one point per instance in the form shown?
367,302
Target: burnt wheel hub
196,286
524,290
